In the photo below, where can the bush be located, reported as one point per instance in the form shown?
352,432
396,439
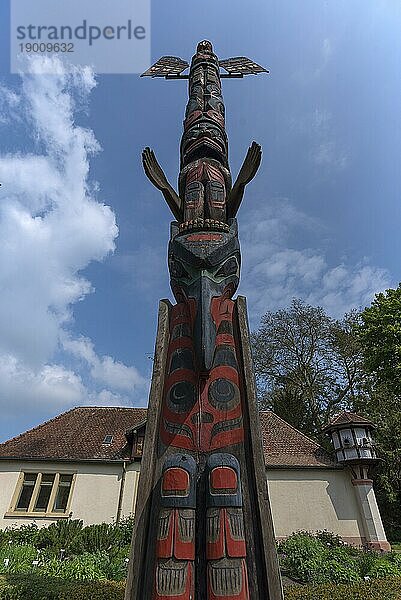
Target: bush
324,558
125,526
47,588
32,587
17,559
26,534
379,589
98,538
312,559
63,535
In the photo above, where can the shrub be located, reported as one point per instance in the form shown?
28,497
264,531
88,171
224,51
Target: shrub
98,538
384,567
379,589
61,535
319,558
329,539
125,526
17,559
26,534
47,588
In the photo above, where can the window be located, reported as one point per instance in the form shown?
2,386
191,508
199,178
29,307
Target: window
108,439
63,493
45,490
42,494
26,491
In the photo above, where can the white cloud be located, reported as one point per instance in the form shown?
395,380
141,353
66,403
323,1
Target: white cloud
276,271
51,389
8,104
105,369
51,227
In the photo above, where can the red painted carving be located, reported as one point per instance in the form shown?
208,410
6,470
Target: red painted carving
227,580
204,237
175,482
224,539
175,542
202,413
174,581
223,480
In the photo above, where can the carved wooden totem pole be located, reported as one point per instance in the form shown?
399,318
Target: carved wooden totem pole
203,527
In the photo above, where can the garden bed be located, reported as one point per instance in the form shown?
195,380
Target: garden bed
32,587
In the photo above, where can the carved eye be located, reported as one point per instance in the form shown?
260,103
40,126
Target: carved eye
230,267
223,394
177,270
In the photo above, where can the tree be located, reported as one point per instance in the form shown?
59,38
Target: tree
380,336
379,333
308,366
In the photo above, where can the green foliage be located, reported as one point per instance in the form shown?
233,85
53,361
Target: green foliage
17,559
26,534
307,365
380,333
85,567
380,589
48,588
99,537
309,559
63,535
125,526
324,558
39,588
68,550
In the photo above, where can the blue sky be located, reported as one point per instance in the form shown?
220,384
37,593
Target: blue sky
83,234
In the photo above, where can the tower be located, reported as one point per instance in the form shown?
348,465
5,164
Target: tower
352,439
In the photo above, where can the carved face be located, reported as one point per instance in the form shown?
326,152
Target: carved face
204,140
201,412
204,265
204,46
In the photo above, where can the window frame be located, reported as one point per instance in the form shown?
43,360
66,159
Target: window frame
13,511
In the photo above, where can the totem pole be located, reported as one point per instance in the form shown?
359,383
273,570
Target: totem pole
203,527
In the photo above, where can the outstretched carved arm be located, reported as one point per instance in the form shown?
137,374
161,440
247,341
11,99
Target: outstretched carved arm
156,175
246,174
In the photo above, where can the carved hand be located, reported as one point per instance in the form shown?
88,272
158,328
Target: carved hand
250,164
153,170
156,175
247,172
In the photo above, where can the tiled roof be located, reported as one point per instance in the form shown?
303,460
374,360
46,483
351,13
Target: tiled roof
78,435
285,446
346,418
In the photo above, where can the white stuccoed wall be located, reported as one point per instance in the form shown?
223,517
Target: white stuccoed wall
307,499
314,499
94,496
375,534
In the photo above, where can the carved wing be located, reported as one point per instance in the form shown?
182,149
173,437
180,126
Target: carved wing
166,65
241,65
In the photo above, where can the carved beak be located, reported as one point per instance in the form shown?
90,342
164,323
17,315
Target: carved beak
205,328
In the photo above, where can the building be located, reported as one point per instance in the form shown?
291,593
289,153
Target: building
85,464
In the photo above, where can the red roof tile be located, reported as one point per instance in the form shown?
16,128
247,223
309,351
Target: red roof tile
285,446
78,435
